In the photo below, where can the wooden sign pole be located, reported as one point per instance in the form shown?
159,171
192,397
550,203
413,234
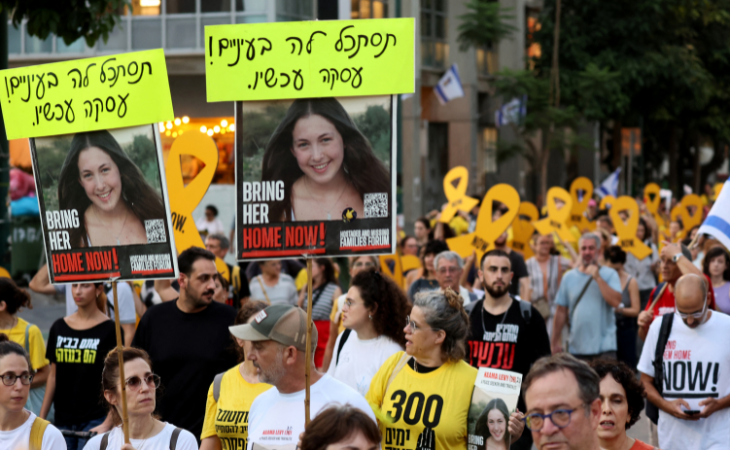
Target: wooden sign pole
122,379
308,352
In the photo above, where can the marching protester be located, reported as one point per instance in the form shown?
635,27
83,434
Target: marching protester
622,400
586,299
520,277
566,391
409,246
28,336
425,277
238,292
716,266
511,326
209,223
278,336
373,314
146,432
420,230
76,348
272,286
643,270
684,366
341,427
325,291
357,265
432,371
627,310
231,394
449,266
20,428
188,342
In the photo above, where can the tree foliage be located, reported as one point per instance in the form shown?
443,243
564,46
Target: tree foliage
486,23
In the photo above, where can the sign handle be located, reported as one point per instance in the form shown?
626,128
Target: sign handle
308,351
122,379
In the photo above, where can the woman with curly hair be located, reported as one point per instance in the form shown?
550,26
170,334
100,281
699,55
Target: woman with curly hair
622,400
373,316
492,424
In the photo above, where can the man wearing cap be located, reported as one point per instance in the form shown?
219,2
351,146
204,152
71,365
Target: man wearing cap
278,335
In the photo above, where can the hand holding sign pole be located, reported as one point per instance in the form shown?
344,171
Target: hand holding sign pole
456,195
557,219
626,231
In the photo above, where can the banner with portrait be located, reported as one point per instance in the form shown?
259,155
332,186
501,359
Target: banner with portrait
494,399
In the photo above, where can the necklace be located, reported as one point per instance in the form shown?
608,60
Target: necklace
12,324
126,213
329,216
484,328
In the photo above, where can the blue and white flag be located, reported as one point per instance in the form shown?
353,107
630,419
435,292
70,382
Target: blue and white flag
449,86
717,223
511,112
609,185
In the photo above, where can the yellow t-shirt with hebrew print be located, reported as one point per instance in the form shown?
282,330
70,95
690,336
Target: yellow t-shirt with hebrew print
432,406
36,346
228,417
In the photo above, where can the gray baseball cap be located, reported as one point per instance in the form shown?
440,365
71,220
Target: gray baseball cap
285,324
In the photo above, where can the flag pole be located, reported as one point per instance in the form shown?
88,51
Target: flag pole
308,351
120,351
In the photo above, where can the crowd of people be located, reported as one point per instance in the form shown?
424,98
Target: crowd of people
598,335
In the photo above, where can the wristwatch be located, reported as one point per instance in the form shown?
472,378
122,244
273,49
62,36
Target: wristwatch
676,257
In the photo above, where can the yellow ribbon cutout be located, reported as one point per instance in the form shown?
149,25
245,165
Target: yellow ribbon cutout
522,230
607,202
626,231
401,265
557,219
184,199
681,211
716,191
579,206
652,205
456,196
486,232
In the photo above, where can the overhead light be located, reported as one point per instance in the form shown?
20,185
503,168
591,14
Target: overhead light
174,134
178,121
167,133
217,129
169,125
162,127
203,129
210,132
224,123
149,3
186,119
231,127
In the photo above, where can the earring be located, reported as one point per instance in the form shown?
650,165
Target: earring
370,317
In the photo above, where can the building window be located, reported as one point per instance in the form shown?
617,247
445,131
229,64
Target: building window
368,9
434,49
533,50
489,149
486,61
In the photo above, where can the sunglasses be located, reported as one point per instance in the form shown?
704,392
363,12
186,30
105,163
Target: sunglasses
152,380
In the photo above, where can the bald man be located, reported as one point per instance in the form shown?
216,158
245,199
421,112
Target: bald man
694,404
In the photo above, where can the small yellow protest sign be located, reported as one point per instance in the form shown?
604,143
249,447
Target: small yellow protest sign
557,218
652,200
486,232
456,195
100,93
689,211
580,204
286,60
522,230
607,202
184,199
396,274
626,231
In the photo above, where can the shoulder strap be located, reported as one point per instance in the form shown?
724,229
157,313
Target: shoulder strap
317,293
525,310
658,292
343,339
396,370
258,278
580,297
173,437
217,386
664,332
27,332
36,433
104,441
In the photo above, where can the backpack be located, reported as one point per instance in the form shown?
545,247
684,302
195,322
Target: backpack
525,308
36,433
173,439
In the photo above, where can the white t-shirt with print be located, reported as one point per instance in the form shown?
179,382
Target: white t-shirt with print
276,420
160,441
696,366
124,298
360,360
19,438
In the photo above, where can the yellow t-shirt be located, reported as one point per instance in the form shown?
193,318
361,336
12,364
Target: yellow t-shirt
228,418
438,400
36,346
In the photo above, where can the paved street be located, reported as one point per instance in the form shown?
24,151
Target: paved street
46,309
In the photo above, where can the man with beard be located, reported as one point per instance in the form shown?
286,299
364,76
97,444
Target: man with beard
520,282
506,333
188,341
278,334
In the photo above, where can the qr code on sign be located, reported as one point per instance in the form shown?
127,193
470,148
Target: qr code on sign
155,231
376,205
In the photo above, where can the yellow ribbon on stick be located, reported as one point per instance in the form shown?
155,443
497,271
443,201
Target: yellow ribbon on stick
456,195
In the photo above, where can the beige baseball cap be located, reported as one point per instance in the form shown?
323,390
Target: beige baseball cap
285,324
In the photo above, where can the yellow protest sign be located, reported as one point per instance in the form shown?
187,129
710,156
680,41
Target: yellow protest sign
581,204
607,202
626,231
397,273
456,195
184,199
486,232
716,191
557,218
283,60
409,262
522,230
100,93
689,211
652,200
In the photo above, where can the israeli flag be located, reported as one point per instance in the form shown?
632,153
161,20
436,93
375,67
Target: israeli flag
449,86
511,112
717,223
609,185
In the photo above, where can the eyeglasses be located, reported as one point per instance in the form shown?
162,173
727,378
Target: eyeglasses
697,315
414,327
363,264
560,418
135,382
443,270
9,379
349,303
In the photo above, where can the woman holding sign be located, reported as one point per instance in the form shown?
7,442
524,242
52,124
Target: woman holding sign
108,191
325,162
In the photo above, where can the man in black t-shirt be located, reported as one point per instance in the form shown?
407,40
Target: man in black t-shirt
501,337
188,341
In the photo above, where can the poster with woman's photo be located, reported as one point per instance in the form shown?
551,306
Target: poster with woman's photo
494,399
315,176
104,206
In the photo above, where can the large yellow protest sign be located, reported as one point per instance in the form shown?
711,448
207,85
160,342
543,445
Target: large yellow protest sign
184,199
522,230
580,204
626,230
689,211
456,195
607,202
559,207
487,231
89,94
652,200
287,60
